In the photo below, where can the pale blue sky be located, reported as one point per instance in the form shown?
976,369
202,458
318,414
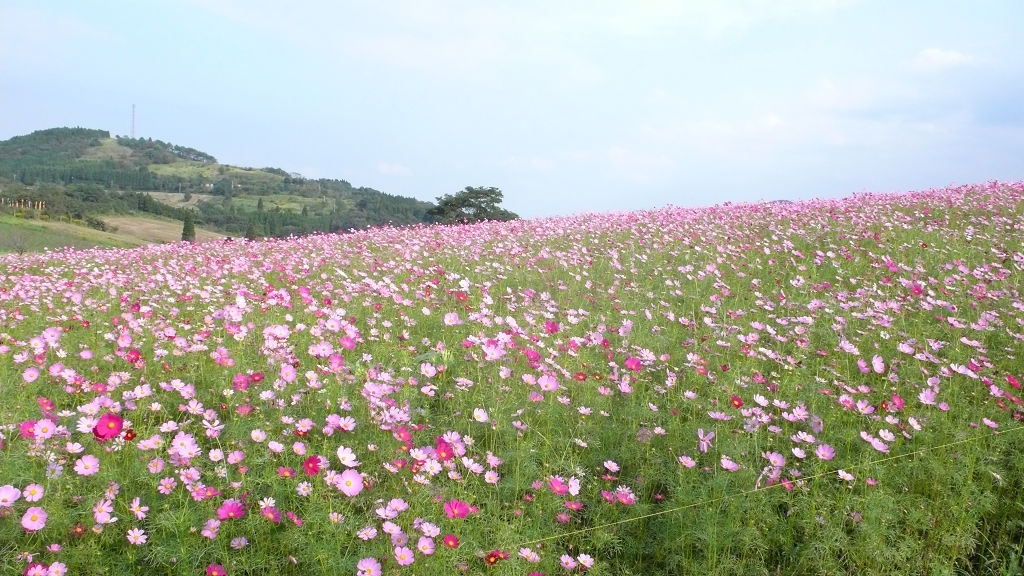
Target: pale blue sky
566,106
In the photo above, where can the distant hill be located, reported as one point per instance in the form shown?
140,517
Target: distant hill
79,173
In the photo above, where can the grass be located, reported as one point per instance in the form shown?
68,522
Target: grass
178,200
25,235
189,169
249,202
108,149
156,230
18,234
544,391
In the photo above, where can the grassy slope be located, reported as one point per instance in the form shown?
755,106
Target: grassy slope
37,235
108,148
155,230
189,169
270,201
178,200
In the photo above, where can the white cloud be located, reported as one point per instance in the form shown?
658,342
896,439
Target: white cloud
933,59
392,169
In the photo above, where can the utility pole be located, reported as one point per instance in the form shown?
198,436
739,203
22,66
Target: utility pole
133,121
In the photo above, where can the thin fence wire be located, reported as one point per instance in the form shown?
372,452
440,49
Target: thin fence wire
707,501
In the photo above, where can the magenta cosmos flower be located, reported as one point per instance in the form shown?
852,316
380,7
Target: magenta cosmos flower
34,519
108,427
231,509
215,570
456,508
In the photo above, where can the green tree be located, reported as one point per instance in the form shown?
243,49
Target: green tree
473,204
188,229
252,232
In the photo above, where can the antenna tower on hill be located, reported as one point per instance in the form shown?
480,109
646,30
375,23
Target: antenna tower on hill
133,121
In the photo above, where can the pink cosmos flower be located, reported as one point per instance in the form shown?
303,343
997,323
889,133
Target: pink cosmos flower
775,459
728,464
138,509
30,374
704,440
825,452
288,372
34,519
215,570
878,364
368,567
404,556
557,486
271,513
547,383
425,545
44,429
137,536
33,493
350,482
927,396
211,528
102,512
87,465
8,495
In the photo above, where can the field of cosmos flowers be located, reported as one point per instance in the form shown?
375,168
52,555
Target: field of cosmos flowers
828,386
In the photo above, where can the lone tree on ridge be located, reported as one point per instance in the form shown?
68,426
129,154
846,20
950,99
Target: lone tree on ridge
473,204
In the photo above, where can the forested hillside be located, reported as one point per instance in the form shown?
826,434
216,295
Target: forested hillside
79,174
